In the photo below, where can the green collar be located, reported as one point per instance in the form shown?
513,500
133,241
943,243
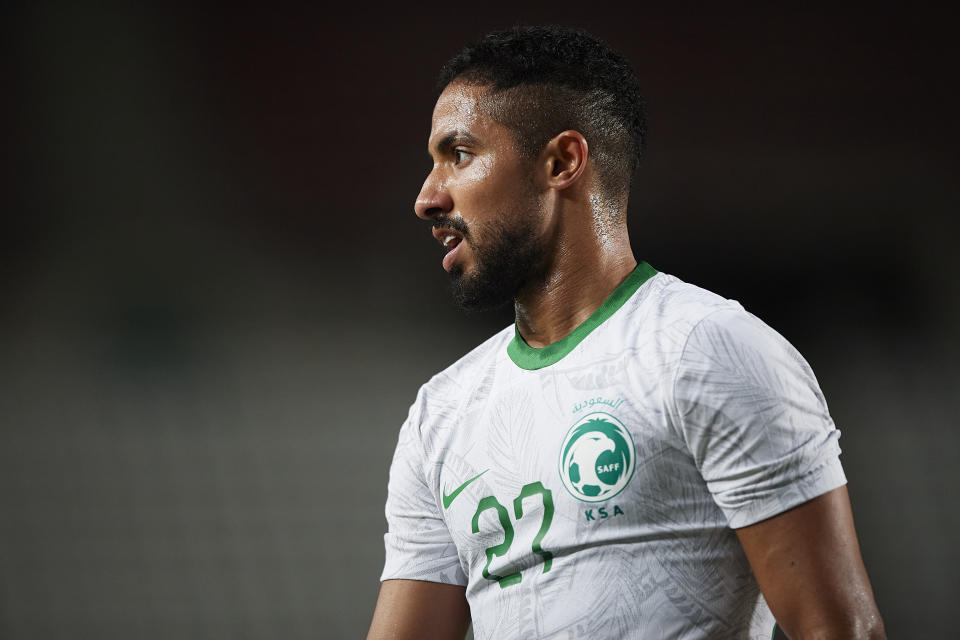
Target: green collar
526,357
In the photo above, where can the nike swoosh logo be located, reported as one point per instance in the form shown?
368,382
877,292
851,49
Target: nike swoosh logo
447,499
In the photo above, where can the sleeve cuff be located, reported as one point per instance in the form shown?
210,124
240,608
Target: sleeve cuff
816,482
430,561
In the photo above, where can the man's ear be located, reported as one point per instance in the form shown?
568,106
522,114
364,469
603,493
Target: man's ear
565,158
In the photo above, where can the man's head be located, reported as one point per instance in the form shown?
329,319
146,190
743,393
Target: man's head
546,79
522,116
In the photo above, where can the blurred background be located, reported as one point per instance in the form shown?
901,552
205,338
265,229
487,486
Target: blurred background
217,303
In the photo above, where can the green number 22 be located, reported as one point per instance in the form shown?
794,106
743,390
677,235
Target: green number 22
490,502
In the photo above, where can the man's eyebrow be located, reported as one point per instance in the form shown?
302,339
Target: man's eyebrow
446,144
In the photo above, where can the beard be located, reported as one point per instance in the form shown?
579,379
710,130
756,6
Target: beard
510,257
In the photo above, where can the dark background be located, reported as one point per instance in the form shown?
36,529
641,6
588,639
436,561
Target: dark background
217,303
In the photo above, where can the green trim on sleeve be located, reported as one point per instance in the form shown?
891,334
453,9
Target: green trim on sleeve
529,358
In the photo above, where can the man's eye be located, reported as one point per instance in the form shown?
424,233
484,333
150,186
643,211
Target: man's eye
460,156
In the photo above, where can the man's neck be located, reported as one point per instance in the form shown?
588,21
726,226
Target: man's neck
569,294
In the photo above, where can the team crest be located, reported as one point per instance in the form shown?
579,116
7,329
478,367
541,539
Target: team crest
597,458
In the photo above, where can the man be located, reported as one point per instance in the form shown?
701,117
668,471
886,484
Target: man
637,457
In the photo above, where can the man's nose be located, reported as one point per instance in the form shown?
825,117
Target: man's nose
433,200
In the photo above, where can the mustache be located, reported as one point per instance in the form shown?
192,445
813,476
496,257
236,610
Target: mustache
457,224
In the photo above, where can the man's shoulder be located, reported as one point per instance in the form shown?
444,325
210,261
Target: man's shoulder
460,376
673,319
706,329
671,303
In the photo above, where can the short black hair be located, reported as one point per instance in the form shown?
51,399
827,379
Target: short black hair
554,78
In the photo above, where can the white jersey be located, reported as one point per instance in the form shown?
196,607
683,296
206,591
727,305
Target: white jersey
589,489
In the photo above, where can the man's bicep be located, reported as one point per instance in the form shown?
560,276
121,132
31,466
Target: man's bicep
808,565
420,609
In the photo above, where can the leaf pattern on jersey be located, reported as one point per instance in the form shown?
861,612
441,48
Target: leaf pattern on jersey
557,586
752,414
600,374
614,609
516,612
551,390
443,414
418,542
619,374
458,392
510,443
481,390
610,609
727,367
695,568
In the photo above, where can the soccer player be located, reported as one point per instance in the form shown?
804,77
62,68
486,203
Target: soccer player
636,457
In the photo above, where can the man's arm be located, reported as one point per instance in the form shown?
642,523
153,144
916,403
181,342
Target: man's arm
413,609
808,565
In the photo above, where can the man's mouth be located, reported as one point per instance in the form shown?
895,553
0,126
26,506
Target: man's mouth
451,255
451,241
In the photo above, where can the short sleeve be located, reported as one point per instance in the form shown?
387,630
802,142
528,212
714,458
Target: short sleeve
418,543
753,418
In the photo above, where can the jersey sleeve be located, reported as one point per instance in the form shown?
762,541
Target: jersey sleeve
754,419
418,543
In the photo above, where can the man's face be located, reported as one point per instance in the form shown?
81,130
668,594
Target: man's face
482,198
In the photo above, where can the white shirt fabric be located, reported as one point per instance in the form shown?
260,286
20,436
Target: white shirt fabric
590,489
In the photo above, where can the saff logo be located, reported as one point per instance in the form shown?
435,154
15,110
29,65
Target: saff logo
596,458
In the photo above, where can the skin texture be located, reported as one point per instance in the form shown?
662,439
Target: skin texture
474,182
808,565
806,560
409,609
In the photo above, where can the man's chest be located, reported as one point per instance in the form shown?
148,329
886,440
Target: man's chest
540,468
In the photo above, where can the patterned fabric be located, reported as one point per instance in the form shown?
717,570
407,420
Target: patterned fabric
594,497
